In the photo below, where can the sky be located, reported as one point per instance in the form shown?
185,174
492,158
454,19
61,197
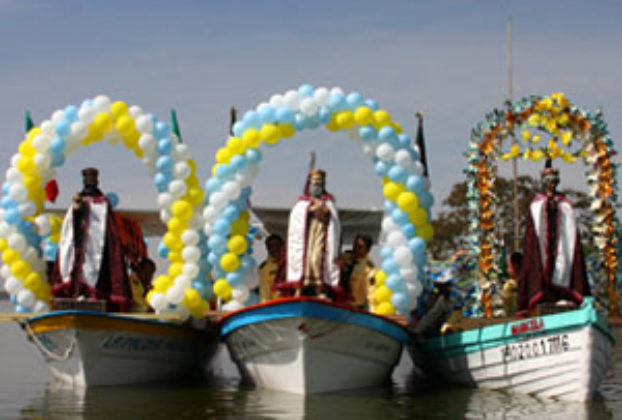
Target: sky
444,58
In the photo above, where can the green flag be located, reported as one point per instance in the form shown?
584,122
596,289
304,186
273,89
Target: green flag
28,121
175,125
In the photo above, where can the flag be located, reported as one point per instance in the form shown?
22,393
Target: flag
175,125
420,142
28,121
233,117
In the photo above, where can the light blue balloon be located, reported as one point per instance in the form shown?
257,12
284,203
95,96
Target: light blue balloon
113,199
399,217
62,128
267,114
213,184
87,103
248,264
7,202
404,140
6,187
426,199
235,279
337,102
224,171
160,181
219,272
253,299
50,250
13,299
417,246
238,162
373,105
324,114
12,216
212,258
239,127
57,160
395,283
222,227
420,261
252,119
165,146
285,115
355,100
161,129
414,154
313,122
381,168
57,146
368,132
231,213
306,90
386,252
71,113
22,309
399,300
397,174
253,156
163,250
164,164
218,244
409,230
415,183
389,265
389,206
300,122
387,133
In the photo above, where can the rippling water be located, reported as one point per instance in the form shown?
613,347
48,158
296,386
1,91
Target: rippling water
26,393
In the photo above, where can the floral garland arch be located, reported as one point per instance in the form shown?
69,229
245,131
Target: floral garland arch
24,225
396,161
521,130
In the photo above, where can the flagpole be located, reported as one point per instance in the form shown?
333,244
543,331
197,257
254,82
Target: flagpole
510,94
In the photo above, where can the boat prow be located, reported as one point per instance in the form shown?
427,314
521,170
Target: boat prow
86,348
562,355
306,345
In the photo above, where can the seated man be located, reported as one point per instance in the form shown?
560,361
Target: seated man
509,293
90,260
268,269
140,282
358,272
433,321
553,267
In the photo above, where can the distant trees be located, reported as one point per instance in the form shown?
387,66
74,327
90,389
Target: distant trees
451,225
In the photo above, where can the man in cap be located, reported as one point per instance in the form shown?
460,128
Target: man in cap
553,268
313,241
433,321
90,259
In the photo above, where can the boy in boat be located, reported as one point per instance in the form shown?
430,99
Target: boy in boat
433,322
358,271
140,282
509,293
268,269
553,265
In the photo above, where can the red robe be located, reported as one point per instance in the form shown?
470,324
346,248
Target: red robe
553,267
111,282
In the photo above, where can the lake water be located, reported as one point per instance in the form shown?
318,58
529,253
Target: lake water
26,393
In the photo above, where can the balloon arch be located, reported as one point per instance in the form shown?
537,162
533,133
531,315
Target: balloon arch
209,237
570,133
396,161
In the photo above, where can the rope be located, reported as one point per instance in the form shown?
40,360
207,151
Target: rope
43,349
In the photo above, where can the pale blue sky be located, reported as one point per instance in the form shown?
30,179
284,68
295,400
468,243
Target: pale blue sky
445,58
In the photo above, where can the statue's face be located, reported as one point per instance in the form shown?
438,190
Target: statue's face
90,180
316,186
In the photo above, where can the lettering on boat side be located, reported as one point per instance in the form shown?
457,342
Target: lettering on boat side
122,342
532,349
535,324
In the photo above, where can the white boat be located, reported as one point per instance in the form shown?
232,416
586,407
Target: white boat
306,345
86,348
563,355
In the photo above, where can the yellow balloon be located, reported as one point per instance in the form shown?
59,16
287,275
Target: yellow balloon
237,244
245,215
221,288
125,125
392,190
162,283
239,227
363,115
191,300
26,148
103,121
195,195
286,130
32,280
26,165
3,244
385,308
419,217
235,145
118,109
407,201
33,132
251,137
172,241
32,182
380,277
332,125
345,120
9,256
269,134
175,257
382,117
229,262
223,155
182,210
175,270
176,226
426,232
382,294
20,269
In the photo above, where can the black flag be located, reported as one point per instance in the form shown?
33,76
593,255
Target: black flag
28,121
233,117
175,125
420,142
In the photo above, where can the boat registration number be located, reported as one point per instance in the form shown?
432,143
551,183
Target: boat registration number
532,349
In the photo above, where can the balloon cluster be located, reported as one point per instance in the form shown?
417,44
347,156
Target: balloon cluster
396,161
524,123
45,148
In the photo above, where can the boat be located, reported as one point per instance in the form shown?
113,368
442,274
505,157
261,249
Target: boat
306,345
86,348
562,355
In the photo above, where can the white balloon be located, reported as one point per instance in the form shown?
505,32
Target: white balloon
12,285
191,253
41,306
321,95
336,91
6,230
15,159
191,270
409,273
27,208
418,168
414,289
208,229
5,271
182,281
231,189
388,225
369,150
308,106
30,255
218,200
102,103
13,175
26,298
47,128
135,111
403,158
177,188
18,192
42,161
277,101
210,213
240,293
292,100
165,200
385,152
402,255
144,124
17,242
41,142
79,130
148,143
190,237
57,116
165,215
396,239
182,170
196,222
175,294
86,113
232,305
157,301
181,152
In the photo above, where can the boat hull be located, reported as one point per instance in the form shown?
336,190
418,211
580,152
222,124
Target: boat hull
84,348
563,356
309,346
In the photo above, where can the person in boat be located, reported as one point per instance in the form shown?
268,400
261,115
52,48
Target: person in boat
269,267
91,263
358,271
140,282
509,292
313,242
553,267
433,322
